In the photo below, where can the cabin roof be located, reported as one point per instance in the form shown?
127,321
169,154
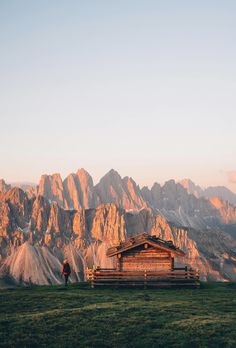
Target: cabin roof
142,239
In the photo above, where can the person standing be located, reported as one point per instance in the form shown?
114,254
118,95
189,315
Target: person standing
66,271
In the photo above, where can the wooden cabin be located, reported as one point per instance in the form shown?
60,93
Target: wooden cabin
144,260
145,252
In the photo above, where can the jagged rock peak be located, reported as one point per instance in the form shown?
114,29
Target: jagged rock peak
170,183
50,182
191,187
85,179
209,192
112,174
123,192
55,176
20,207
172,187
79,190
15,195
82,172
186,182
4,187
51,187
153,196
134,192
155,186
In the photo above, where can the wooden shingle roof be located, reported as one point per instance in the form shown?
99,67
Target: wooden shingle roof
142,239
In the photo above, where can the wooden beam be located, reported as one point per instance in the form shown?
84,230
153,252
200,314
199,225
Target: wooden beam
118,263
172,263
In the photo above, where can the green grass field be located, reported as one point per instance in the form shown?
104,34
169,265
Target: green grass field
83,317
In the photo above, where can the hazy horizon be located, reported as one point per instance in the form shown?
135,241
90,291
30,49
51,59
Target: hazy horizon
147,88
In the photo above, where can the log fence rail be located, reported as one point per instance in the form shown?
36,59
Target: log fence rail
176,277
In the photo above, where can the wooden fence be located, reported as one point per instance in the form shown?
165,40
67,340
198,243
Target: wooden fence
173,278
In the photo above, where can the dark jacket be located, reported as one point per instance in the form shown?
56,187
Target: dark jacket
66,269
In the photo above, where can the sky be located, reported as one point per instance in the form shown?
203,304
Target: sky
145,87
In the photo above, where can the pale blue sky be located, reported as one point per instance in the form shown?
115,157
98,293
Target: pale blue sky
145,87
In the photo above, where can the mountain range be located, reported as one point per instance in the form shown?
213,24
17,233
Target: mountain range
213,191
182,203
74,218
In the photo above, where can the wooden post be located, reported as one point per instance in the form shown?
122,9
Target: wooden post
186,270
118,265
92,279
93,276
145,279
172,263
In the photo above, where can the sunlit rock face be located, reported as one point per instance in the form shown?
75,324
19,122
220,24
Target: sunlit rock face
88,196
75,192
183,203
40,215
51,187
79,191
124,192
15,211
106,223
191,188
177,205
222,192
226,210
210,192
36,235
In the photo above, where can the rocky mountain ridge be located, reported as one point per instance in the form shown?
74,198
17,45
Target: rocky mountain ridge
173,200
36,234
182,203
210,192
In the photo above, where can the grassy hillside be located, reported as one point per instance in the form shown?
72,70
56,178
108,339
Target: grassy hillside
82,317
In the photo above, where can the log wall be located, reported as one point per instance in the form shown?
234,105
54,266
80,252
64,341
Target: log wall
141,258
